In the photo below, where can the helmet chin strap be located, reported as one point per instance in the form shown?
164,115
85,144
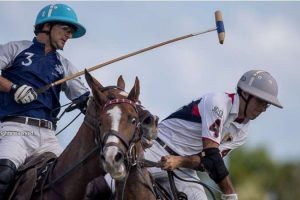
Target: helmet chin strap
247,100
49,34
50,38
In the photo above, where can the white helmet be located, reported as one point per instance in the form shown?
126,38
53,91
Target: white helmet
260,84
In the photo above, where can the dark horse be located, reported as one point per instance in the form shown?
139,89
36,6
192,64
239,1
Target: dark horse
68,175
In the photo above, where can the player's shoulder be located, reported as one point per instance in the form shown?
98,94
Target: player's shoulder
65,62
19,44
218,102
216,98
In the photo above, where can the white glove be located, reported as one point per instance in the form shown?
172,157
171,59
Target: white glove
25,94
229,197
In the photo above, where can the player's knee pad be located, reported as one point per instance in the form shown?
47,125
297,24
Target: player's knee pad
7,174
213,164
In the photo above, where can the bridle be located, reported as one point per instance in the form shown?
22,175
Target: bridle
92,121
130,156
129,145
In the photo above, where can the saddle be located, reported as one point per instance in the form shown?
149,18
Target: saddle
29,175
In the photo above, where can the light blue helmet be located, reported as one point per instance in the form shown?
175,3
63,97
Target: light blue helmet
60,13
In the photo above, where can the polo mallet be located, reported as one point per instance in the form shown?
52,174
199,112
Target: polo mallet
219,28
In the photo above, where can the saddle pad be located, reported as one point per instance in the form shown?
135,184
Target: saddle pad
27,176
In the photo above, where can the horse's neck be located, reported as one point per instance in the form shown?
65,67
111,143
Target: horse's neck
138,184
82,144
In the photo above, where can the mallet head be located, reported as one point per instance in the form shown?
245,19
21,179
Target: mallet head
220,26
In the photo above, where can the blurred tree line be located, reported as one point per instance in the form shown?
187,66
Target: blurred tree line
257,177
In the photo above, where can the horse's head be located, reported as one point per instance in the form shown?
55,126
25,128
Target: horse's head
149,125
118,120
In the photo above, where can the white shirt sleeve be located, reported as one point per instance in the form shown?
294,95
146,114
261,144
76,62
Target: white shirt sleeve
238,140
9,51
213,111
5,55
74,87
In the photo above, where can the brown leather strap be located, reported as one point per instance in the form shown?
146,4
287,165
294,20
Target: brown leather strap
166,147
30,121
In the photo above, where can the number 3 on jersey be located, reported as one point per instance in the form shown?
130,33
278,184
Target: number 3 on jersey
28,60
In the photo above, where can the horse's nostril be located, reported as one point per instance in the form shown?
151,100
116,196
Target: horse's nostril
119,157
148,120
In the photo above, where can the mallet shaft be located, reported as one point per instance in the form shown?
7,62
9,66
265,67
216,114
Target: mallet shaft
43,89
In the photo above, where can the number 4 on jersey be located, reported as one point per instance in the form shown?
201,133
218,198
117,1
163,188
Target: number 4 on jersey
215,127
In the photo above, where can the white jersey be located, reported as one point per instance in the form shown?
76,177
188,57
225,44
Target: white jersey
213,117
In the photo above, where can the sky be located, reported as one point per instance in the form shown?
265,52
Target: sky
259,35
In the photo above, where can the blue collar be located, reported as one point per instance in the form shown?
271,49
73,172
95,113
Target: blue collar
41,46
37,43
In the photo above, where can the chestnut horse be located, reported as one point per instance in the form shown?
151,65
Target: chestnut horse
80,161
121,142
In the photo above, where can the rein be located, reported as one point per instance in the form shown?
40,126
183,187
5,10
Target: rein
171,174
134,162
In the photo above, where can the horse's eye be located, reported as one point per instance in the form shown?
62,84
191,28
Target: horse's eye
133,121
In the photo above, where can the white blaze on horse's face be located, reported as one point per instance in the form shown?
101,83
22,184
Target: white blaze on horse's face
117,169
115,114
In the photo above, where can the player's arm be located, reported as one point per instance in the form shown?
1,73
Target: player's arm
22,94
170,162
5,84
213,163
209,160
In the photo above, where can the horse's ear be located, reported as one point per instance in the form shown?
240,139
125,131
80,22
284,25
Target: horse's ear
96,87
99,97
92,82
135,91
121,82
